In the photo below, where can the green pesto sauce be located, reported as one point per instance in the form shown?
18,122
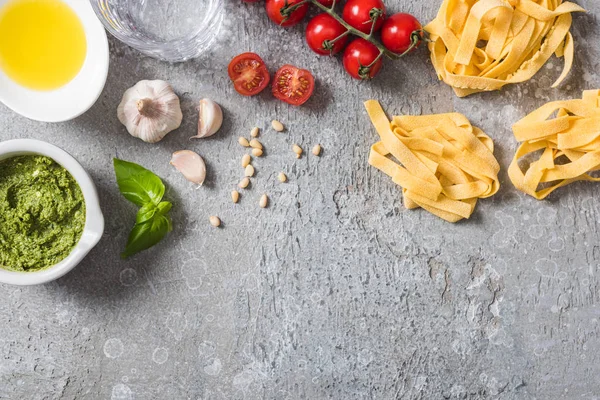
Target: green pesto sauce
42,213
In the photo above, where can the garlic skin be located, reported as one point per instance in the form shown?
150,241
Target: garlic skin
191,165
149,110
210,119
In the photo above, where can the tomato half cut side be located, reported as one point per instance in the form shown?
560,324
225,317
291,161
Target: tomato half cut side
249,74
293,85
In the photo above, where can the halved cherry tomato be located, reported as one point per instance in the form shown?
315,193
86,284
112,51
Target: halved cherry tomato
397,30
293,85
274,12
322,29
249,74
359,54
358,14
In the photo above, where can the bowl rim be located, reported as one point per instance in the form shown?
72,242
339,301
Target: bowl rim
81,93
94,220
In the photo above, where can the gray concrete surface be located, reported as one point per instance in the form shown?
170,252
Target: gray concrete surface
335,291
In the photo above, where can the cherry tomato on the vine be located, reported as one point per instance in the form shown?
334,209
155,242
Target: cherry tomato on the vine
274,12
293,85
360,13
249,74
358,56
326,3
396,33
321,30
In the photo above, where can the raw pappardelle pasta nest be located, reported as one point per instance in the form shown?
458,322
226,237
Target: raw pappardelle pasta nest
442,162
570,145
482,45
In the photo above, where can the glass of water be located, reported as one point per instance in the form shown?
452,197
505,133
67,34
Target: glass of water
170,30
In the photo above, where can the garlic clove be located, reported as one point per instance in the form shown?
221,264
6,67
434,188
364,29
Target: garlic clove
191,165
210,118
149,110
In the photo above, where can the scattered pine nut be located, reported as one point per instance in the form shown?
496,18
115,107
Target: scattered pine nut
298,150
246,160
257,152
243,141
316,150
244,183
215,221
255,144
282,177
254,132
264,201
278,126
249,171
235,196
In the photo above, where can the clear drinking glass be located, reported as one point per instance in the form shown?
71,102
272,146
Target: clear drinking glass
171,30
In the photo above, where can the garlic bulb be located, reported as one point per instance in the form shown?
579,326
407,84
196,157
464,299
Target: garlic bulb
210,118
191,165
150,110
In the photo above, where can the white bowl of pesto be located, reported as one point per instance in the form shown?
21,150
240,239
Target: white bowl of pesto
50,216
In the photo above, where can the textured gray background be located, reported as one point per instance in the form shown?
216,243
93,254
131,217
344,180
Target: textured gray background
335,291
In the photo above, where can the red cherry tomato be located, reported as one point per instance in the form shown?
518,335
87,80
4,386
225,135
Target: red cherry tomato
274,12
358,14
326,3
293,85
396,33
320,30
359,54
249,74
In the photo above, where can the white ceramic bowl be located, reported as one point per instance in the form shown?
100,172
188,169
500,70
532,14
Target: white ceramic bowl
94,221
77,96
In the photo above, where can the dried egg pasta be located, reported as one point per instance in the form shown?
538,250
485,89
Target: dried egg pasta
572,136
443,163
482,45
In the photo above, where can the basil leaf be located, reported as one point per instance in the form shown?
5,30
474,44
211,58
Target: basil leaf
137,184
145,235
164,207
145,213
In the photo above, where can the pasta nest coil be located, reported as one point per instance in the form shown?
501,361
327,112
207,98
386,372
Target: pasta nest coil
482,45
569,144
442,162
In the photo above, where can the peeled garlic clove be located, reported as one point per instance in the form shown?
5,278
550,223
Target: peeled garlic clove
191,165
210,118
150,110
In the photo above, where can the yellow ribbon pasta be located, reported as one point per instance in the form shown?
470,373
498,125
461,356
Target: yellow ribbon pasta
443,163
570,142
482,45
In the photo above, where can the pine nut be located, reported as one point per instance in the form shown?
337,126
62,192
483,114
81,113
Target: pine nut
257,152
235,196
298,150
254,132
264,201
282,177
243,141
316,150
244,183
249,171
255,144
246,160
278,126
215,221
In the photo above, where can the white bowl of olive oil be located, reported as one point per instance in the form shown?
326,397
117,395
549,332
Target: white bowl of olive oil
53,58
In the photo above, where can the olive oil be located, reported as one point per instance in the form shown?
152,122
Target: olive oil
42,43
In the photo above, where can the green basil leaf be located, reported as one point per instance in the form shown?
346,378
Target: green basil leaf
137,184
145,235
145,213
164,207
